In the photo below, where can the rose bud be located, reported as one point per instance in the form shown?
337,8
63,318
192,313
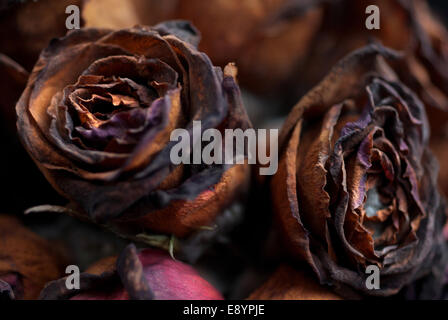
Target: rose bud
97,117
357,184
27,262
145,275
26,27
289,284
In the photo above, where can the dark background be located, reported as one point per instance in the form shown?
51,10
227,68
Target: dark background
440,8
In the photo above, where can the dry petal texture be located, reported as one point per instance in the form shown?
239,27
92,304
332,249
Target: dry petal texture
97,116
27,262
145,275
357,183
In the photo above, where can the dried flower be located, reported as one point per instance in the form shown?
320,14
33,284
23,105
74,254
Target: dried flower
357,184
97,116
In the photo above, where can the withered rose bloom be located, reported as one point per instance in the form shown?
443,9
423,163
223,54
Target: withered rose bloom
97,115
357,183
145,275
286,283
27,262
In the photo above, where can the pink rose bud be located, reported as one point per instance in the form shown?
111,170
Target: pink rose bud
146,275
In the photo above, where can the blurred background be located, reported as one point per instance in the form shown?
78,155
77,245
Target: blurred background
441,7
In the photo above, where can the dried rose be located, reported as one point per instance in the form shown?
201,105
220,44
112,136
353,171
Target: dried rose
27,26
97,116
27,262
289,284
357,183
145,275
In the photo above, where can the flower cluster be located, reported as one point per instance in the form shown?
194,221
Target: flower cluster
92,118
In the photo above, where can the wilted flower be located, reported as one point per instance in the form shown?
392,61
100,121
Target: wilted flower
145,275
289,284
27,262
97,116
357,184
